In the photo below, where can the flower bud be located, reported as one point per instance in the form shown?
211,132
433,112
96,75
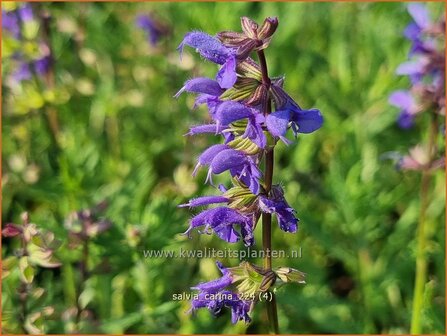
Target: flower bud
287,274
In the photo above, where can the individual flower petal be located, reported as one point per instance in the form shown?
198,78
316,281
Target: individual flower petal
209,128
215,286
249,174
204,200
410,68
277,122
216,301
412,31
212,102
303,121
226,76
420,14
308,121
201,85
209,154
255,133
240,166
230,111
226,160
402,99
209,47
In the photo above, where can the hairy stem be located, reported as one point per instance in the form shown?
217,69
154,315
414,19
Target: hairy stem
421,260
267,218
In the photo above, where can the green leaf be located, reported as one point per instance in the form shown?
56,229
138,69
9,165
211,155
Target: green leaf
26,270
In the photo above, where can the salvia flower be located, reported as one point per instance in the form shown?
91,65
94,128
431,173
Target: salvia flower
278,205
239,101
426,71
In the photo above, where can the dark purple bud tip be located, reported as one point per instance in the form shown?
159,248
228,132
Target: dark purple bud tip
268,28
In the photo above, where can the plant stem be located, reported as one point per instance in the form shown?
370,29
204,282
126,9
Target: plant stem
83,270
267,218
51,117
421,260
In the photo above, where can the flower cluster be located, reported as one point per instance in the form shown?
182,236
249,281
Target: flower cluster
239,101
21,29
426,68
234,102
426,71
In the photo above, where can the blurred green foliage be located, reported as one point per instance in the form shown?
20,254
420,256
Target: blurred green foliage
120,138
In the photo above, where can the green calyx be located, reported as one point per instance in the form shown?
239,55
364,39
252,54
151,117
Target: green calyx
253,279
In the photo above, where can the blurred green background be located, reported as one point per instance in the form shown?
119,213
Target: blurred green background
120,138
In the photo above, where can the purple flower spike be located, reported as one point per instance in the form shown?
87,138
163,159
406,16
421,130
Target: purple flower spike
201,85
222,221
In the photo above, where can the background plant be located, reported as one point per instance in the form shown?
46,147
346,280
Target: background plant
358,213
